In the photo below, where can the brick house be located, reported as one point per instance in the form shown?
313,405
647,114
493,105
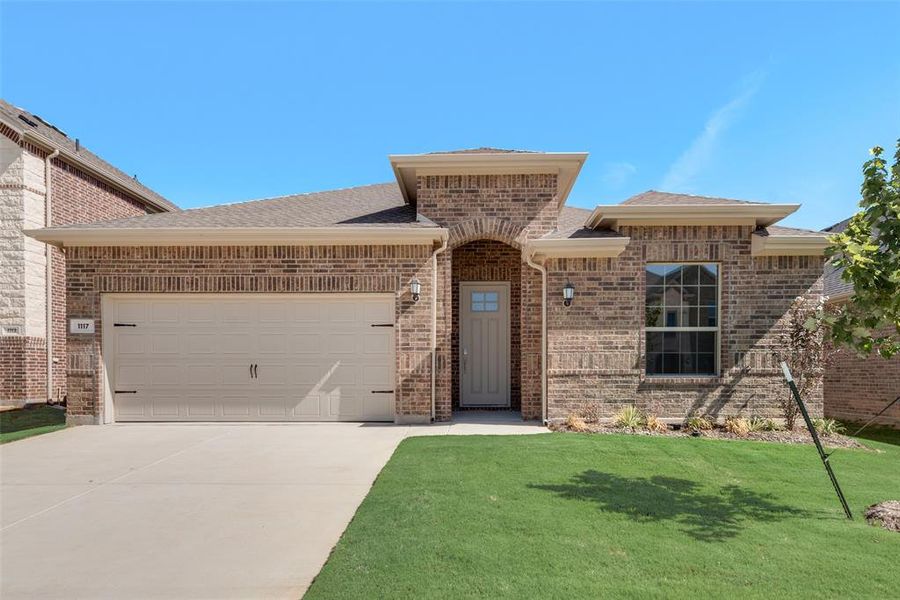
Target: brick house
46,178
857,388
466,283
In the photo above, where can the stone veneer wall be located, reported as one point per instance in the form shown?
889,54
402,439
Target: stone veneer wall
77,198
504,208
92,272
595,347
858,388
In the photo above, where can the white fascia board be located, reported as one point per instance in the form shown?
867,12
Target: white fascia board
788,245
566,165
759,215
243,236
575,248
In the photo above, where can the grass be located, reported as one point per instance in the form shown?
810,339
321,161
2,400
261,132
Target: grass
26,422
572,515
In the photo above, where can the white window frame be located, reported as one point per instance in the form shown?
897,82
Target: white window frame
717,329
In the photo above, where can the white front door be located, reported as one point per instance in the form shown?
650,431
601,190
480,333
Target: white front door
484,344
247,357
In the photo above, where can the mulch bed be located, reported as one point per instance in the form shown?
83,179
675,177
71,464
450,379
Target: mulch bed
798,436
885,514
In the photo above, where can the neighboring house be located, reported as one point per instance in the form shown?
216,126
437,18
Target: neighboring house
441,291
46,178
857,388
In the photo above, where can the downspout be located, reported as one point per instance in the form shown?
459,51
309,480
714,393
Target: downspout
543,271
48,222
434,279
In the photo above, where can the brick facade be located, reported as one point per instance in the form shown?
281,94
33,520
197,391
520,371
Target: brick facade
595,346
77,197
857,388
252,269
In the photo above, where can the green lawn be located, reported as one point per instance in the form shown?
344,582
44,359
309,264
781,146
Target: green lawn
26,422
581,516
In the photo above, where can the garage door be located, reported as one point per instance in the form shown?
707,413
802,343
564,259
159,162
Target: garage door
251,358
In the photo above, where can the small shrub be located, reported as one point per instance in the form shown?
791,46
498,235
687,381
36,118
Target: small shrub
655,424
738,426
576,423
629,417
591,413
758,424
828,427
697,423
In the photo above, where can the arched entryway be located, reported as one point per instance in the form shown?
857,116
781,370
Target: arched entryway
486,288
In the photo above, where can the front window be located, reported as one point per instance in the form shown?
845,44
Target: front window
682,319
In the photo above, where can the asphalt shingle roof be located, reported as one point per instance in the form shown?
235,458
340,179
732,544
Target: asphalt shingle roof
571,226
376,205
834,285
656,198
26,120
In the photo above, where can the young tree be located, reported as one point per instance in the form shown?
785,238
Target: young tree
802,345
868,251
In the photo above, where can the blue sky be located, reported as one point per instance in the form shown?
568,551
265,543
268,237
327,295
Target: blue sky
218,102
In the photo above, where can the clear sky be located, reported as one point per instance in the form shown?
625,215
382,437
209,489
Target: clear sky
219,102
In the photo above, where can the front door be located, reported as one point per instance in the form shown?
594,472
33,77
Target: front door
484,344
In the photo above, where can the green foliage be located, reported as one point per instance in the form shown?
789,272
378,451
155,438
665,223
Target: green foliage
757,424
697,423
629,417
828,426
868,251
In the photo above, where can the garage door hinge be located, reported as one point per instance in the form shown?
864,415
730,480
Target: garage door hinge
382,324
124,324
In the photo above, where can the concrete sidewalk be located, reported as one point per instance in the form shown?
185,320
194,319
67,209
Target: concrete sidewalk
188,510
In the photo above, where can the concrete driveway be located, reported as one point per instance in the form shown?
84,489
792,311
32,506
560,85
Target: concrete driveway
187,511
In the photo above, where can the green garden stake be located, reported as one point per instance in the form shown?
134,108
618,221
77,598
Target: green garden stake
815,436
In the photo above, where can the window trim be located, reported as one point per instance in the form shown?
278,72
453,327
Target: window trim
717,355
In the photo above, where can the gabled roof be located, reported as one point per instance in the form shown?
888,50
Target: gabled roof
664,208
657,198
373,212
481,161
44,134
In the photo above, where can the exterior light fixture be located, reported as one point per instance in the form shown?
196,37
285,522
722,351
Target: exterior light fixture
415,288
568,293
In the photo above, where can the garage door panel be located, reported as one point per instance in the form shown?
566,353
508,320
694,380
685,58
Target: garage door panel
317,358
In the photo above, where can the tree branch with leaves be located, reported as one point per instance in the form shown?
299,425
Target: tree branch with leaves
868,251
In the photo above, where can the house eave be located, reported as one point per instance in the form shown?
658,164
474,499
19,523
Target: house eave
757,215
565,165
788,245
541,249
243,236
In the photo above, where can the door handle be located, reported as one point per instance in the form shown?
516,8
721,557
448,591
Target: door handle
255,372
465,358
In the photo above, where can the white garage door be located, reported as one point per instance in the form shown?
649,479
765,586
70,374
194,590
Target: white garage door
251,358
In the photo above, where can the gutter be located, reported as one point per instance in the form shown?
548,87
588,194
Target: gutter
48,216
434,280
543,271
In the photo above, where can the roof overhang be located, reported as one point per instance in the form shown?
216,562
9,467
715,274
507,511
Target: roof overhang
239,236
576,248
566,165
763,244
758,215
43,142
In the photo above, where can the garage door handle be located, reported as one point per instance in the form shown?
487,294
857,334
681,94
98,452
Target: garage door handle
382,391
253,371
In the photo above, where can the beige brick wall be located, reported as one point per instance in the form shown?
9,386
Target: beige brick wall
595,347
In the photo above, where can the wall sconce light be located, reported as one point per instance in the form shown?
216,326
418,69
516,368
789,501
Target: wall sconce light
415,288
568,293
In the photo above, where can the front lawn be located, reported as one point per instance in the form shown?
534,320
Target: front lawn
26,422
613,516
